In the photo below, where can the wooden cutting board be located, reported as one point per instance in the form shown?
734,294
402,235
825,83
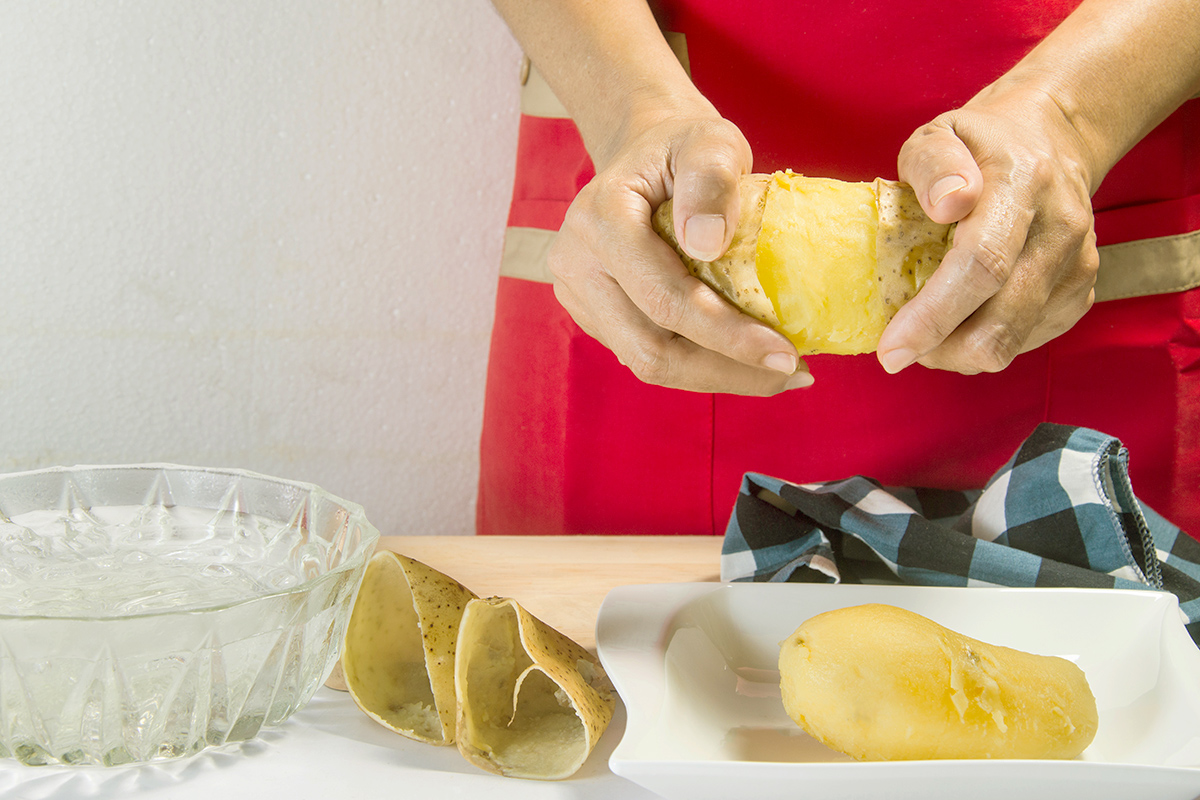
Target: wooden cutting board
563,579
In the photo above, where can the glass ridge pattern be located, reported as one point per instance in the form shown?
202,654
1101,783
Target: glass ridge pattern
126,655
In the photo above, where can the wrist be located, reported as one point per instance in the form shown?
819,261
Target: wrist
1051,111
641,109
1109,73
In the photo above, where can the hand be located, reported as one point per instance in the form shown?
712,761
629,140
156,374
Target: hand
1009,169
628,289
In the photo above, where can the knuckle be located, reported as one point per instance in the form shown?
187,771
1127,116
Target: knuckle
600,192
989,267
1089,301
583,208
922,160
1038,169
566,299
711,164
720,133
1068,225
921,156
558,261
931,322
1075,219
664,306
1088,265
941,124
994,348
649,364
568,260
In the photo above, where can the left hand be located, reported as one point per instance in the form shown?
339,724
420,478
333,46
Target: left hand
1008,167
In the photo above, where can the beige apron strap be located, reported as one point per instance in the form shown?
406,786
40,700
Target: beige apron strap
1149,266
525,252
1132,269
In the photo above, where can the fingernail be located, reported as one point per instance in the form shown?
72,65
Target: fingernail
781,362
944,187
895,360
800,380
704,236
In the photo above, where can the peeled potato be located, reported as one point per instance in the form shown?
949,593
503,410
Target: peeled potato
826,262
398,658
881,683
531,702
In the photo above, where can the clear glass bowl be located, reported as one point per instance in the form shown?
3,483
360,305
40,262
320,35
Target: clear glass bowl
150,611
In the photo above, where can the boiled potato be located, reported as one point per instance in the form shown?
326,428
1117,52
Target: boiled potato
826,262
881,683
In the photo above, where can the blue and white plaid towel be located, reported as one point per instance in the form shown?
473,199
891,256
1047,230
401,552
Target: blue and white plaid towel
1061,512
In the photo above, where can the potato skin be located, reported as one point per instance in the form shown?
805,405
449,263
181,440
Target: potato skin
881,683
735,274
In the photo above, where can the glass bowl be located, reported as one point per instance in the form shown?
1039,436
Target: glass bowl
151,611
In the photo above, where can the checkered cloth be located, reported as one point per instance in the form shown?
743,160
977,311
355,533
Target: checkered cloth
1061,512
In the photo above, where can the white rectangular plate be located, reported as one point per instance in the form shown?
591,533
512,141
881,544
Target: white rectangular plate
696,665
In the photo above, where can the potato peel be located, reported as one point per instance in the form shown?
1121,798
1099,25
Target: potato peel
399,652
532,703
735,274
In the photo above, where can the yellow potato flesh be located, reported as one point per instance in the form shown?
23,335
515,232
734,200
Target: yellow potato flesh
817,264
881,683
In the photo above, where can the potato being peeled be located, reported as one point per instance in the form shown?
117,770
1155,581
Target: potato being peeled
531,702
826,262
881,683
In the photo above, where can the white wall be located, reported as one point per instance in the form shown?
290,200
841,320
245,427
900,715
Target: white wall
255,233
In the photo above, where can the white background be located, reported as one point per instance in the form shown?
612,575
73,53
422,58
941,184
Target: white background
258,234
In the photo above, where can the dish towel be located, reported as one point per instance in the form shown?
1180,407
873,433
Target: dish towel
1061,512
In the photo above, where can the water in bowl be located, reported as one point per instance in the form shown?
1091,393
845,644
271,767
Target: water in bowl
132,633
112,561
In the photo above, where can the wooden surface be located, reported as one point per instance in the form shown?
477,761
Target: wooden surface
563,579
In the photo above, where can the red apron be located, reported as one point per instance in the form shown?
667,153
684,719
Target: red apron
574,443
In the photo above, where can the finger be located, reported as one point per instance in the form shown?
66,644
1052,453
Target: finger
578,312
1050,289
706,198
942,172
997,332
1057,325
1071,298
620,246
674,300
986,247
663,358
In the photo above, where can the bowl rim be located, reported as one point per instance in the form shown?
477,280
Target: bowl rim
358,557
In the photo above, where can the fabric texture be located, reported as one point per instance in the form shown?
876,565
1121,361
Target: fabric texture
1061,513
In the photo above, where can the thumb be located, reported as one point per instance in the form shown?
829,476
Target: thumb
706,200
942,171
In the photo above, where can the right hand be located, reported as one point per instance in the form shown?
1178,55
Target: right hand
628,289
